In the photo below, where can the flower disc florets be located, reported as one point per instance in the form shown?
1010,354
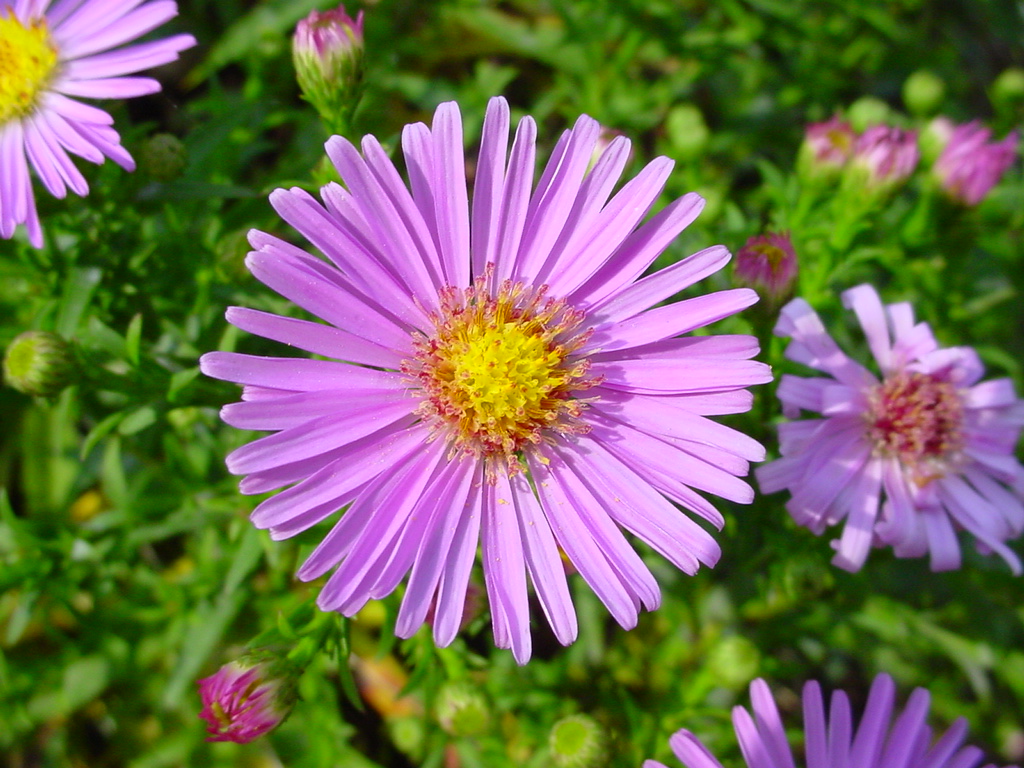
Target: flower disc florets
917,418
499,370
27,62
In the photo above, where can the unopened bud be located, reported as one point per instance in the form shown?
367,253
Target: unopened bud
1008,89
327,50
868,111
970,165
686,131
923,93
577,741
40,363
462,710
826,149
883,158
163,157
768,264
733,662
247,698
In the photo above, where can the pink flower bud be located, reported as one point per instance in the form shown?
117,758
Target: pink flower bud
885,156
328,54
768,264
970,165
244,700
827,147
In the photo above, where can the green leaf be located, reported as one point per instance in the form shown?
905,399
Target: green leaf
132,339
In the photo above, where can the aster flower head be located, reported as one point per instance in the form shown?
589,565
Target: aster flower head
247,698
768,264
499,376
833,738
970,164
49,58
908,458
826,149
883,158
327,51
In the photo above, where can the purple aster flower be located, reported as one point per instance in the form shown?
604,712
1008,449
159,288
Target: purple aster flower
907,459
247,698
50,57
970,165
501,375
830,738
884,157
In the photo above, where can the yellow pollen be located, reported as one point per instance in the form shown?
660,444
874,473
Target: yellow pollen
498,374
27,62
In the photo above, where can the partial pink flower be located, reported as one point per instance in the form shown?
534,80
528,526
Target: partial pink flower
833,738
970,165
244,700
51,57
906,459
500,375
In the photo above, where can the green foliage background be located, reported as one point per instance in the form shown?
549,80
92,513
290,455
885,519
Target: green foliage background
128,568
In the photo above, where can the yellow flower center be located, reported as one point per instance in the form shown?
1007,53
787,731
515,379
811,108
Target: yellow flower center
499,371
918,418
27,62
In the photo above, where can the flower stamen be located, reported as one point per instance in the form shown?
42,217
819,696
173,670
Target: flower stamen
499,371
28,60
918,418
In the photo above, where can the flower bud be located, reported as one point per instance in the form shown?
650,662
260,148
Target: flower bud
163,157
826,149
462,710
604,141
327,50
577,741
934,137
686,131
868,111
247,698
733,662
768,264
883,158
923,93
40,363
970,165
1008,89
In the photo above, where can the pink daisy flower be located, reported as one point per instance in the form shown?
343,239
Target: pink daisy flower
907,459
50,57
831,738
501,375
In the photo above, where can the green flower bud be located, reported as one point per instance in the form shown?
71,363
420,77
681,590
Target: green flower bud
1008,89
923,93
40,363
462,710
686,131
578,741
163,157
733,662
868,111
